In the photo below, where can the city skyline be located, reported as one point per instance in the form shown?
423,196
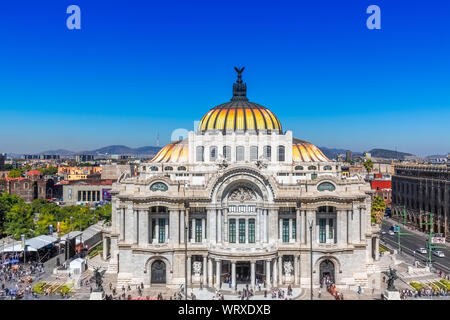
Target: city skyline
132,72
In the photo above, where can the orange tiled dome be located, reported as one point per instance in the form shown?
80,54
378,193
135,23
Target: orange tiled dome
306,152
173,152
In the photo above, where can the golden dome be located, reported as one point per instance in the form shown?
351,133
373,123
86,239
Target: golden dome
239,114
173,152
306,152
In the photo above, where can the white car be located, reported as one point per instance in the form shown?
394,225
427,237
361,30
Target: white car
392,233
383,232
439,254
422,250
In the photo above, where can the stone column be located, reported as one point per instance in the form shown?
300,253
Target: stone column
298,229
174,226
105,247
166,230
203,230
280,270
246,230
218,273
268,286
257,226
204,271
212,230
225,225
219,225
193,223
143,227
210,273
182,226
252,274
274,273
304,227
233,274
290,230
156,235
296,270
377,250
264,228
280,229
189,271
129,225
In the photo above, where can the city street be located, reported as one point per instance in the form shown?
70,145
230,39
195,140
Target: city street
412,242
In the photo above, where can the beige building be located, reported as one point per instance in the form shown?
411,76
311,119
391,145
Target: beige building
241,194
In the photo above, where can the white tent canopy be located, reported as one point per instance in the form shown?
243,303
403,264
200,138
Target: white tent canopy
33,244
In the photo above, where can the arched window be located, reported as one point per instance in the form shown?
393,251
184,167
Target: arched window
240,153
253,153
200,154
154,168
168,169
213,153
144,168
312,168
268,152
181,168
327,168
298,168
281,153
227,152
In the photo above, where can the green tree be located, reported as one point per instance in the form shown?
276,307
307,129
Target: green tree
103,213
50,171
19,220
15,173
45,220
378,209
7,201
38,204
368,165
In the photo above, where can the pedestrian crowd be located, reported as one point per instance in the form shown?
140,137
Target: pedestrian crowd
16,278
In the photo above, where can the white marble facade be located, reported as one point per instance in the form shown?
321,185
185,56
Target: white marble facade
247,220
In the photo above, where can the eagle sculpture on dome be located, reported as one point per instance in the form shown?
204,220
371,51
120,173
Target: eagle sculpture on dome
239,72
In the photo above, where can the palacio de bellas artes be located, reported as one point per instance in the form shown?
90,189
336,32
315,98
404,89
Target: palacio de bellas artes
240,198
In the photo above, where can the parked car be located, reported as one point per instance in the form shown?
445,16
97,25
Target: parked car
439,254
392,233
422,250
383,232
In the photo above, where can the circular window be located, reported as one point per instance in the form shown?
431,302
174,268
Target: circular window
326,186
159,186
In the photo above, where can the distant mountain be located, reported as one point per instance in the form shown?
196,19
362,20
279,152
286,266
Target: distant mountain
389,154
114,149
332,153
61,152
436,156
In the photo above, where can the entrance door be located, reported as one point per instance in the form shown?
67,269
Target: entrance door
327,270
243,272
158,272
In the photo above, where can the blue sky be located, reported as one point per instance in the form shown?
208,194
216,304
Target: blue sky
139,68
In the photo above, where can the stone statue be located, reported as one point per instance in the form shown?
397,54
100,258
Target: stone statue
288,268
392,276
197,267
98,276
261,163
242,194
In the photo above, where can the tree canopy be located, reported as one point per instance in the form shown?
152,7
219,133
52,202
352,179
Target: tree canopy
378,209
368,165
15,173
17,217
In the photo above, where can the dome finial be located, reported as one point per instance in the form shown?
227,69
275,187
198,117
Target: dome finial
239,88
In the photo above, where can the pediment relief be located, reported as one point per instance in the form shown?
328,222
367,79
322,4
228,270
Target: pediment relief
242,194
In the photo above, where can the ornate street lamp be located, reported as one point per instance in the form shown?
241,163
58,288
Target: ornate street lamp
186,230
310,223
